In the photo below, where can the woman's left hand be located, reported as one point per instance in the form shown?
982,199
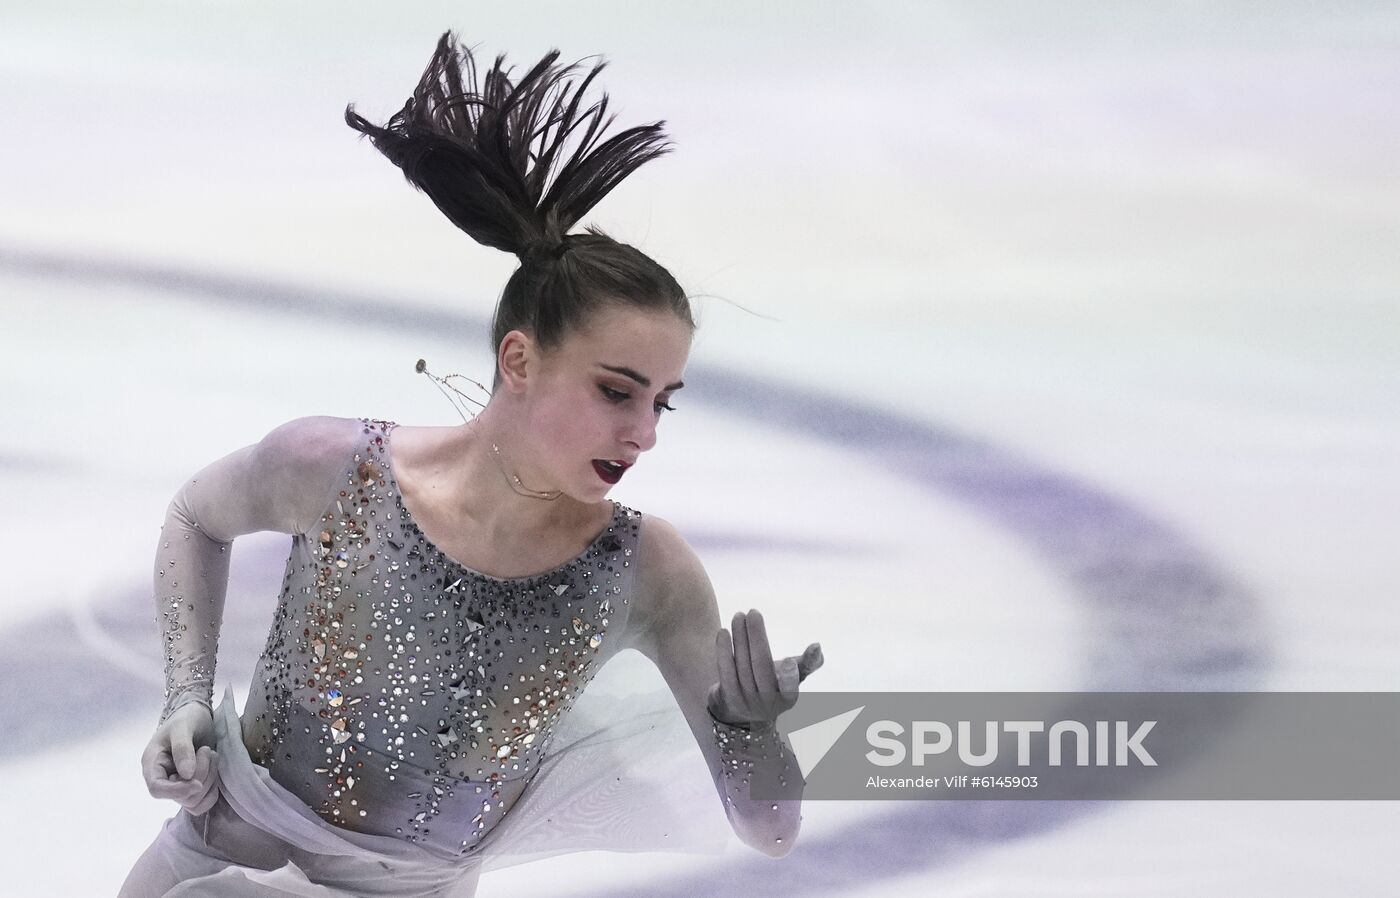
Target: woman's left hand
751,687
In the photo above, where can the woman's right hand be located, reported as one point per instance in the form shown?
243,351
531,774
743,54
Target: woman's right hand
180,763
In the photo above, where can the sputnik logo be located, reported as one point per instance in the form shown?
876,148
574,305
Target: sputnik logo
811,743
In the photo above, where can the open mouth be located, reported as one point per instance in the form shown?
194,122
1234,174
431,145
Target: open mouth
610,471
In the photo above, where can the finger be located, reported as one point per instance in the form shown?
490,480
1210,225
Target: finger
206,801
811,660
743,662
730,693
202,758
788,675
160,771
156,763
176,789
764,676
182,750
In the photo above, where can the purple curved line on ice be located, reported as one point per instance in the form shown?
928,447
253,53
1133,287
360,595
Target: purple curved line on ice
1169,618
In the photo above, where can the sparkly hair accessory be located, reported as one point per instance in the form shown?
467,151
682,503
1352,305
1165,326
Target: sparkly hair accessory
460,401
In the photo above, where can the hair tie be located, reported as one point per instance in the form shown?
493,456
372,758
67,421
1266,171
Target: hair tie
545,251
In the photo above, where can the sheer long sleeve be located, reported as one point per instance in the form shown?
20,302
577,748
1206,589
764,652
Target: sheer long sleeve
281,483
677,618
191,579
746,752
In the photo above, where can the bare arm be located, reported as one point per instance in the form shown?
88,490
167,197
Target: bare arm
678,628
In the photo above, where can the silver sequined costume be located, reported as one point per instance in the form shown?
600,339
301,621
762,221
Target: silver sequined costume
405,700
403,693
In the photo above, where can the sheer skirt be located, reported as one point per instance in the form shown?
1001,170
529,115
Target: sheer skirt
625,774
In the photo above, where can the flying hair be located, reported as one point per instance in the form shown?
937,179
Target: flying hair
493,157
516,165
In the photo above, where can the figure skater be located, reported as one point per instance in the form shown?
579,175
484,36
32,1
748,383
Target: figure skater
451,590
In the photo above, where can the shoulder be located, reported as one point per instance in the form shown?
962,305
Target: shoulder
310,441
663,556
671,583
280,483
300,461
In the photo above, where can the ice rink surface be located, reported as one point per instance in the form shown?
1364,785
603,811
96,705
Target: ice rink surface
1006,310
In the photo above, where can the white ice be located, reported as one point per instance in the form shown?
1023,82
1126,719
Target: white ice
1150,248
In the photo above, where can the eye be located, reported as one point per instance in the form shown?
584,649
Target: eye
618,397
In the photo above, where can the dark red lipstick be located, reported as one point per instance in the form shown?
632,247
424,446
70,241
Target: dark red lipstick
610,471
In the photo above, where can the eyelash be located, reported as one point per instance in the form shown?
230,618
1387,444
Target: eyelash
619,396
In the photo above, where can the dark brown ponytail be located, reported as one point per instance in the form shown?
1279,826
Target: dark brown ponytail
485,156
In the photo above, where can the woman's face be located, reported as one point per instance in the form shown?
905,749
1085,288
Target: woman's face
592,404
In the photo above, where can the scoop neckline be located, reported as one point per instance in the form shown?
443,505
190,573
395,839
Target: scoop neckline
408,518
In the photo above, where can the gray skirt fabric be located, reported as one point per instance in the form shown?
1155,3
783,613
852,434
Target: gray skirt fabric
625,775
260,840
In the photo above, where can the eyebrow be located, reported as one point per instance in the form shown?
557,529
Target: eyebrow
639,378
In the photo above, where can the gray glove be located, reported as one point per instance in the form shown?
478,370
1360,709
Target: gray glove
172,765
752,689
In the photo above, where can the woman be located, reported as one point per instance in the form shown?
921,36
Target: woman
437,619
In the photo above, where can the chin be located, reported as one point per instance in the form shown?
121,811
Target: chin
589,493
595,487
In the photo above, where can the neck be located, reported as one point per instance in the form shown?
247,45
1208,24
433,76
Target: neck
465,473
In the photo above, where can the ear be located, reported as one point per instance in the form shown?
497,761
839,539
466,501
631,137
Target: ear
516,358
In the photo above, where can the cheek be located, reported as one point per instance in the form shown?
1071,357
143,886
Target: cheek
570,427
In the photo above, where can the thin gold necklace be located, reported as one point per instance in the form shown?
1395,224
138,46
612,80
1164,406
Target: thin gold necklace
515,484
445,384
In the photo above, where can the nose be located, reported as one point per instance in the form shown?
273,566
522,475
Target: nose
641,432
